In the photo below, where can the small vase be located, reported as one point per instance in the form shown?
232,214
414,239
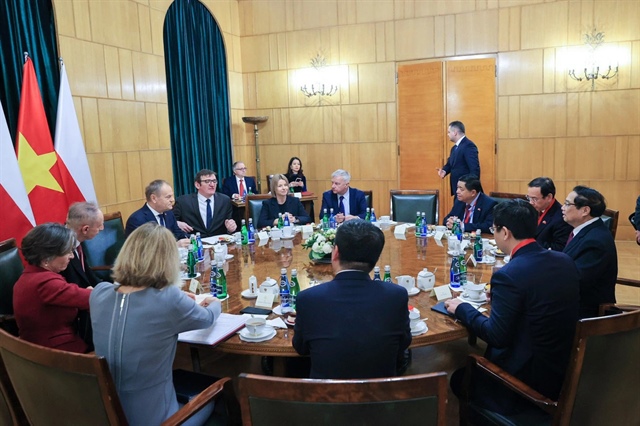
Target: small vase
326,259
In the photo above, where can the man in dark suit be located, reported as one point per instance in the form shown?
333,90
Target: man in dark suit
353,327
534,309
553,231
86,220
472,206
463,159
238,185
207,211
592,248
347,203
159,195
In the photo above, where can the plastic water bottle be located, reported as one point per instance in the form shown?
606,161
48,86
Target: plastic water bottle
373,215
454,272
244,233
387,273
285,305
213,279
294,288
332,220
251,232
221,282
376,273
200,249
285,220
423,225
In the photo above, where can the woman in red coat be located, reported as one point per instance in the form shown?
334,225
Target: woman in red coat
45,305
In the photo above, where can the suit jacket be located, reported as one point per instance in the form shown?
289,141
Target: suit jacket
46,307
187,210
482,213
291,178
271,208
534,309
230,186
144,215
553,231
352,327
594,252
462,160
357,203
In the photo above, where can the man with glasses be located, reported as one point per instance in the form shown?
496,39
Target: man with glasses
553,231
534,309
238,185
207,211
592,248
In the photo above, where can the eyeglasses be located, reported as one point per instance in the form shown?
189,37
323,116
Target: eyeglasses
567,204
241,168
494,228
209,181
533,199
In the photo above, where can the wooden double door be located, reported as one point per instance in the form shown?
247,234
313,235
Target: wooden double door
431,95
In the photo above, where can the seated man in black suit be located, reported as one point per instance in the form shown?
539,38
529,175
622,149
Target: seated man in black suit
159,195
86,220
472,206
207,211
238,185
553,231
353,327
534,310
592,248
347,203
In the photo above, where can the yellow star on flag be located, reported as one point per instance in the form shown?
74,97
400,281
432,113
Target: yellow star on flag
36,169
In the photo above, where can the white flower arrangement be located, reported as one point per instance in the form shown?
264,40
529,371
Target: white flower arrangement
321,243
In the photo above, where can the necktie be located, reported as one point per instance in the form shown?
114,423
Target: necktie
162,222
241,188
341,205
209,214
467,213
80,256
570,238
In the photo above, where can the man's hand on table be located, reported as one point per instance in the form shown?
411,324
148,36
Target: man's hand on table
184,226
231,225
451,305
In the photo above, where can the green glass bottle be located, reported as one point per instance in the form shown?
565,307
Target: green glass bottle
244,233
325,220
367,216
280,221
221,282
191,263
387,273
477,247
294,288
463,270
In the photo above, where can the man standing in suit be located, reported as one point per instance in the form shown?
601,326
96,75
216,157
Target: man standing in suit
347,203
592,248
353,327
159,195
238,185
86,220
207,211
463,159
534,309
472,206
552,231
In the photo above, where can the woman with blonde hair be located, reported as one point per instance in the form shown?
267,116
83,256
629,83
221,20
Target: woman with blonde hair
136,322
282,203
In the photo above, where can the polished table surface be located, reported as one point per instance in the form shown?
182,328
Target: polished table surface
406,257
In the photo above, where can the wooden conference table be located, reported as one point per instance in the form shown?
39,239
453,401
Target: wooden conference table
406,257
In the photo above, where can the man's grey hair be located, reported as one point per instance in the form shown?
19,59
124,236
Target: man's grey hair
154,188
343,174
83,213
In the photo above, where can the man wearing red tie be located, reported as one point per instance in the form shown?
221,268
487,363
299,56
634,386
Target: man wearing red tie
472,206
239,184
552,231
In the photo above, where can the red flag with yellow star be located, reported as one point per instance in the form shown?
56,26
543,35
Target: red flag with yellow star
36,157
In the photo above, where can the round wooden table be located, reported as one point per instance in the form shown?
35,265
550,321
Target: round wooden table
407,256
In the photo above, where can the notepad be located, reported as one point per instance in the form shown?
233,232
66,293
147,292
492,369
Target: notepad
224,327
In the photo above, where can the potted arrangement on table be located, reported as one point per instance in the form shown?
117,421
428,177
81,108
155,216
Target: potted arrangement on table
321,244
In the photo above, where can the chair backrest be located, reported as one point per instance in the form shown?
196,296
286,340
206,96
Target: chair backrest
11,412
101,251
253,207
406,202
68,387
10,270
610,218
253,190
602,377
368,195
632,220
419,399
269,177
501,197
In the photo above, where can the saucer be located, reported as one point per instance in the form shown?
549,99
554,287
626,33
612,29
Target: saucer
421,328
290,237
184,276
228,257
413,291
456,289
482,299
248,295
455,253
268,333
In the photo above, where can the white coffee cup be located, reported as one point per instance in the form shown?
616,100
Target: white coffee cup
385,219
406,281
255,325
474,291
414,319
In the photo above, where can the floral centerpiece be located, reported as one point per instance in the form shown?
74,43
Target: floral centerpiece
321,244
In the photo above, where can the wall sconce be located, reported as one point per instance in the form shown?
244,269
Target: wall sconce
596,59
320,80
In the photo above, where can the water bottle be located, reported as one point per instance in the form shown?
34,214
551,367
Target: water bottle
213,279
332,220
193,244
244,233
221,282
285,220
191,263
376,273
251,232
477,247
325,220
284,291
200,249
294,288
373,215
387,273
423,225
367,216
418,223
463,270
280,221
458,230
454,272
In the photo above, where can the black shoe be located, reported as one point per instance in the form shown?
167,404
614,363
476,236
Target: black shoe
403,362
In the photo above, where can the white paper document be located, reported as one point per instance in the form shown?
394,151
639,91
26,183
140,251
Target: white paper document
224,327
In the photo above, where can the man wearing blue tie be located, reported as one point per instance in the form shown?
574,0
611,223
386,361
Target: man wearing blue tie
347,203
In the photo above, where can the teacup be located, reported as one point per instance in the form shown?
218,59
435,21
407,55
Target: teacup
406,281
255,325
414,319
473,291
385,219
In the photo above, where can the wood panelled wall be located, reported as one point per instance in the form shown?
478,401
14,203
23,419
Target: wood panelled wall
548,124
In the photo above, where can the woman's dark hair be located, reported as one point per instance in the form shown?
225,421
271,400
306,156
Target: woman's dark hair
289,172
46,241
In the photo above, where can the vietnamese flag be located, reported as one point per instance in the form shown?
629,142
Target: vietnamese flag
36,157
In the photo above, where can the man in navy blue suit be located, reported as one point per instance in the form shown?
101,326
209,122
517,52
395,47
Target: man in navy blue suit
347,203
463,159
472,206
238,185
553,231
353,327
159,195
592,248
534,310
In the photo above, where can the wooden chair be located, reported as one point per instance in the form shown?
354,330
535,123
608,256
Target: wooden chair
610,218
505,196
411,400
601,385
406,202
74,388
10,270
101,251
615,308
368,195
11,412
253,207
